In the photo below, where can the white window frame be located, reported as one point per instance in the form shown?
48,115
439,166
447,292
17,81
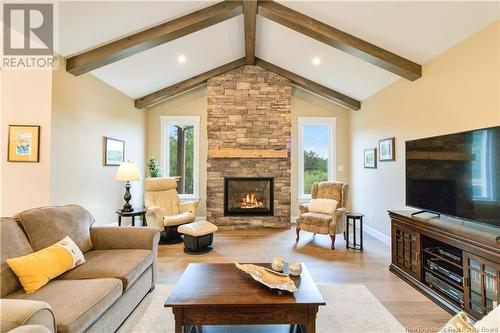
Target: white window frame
315,121
165,151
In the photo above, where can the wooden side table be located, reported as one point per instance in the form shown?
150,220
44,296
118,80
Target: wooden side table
136,212
354,217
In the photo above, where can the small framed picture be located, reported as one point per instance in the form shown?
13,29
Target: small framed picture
370,158
387,149
114,151
24,143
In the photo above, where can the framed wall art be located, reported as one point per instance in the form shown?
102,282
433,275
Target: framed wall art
387,149
24,143
370,158
114,151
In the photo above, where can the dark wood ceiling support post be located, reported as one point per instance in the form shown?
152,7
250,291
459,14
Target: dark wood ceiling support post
185,85
339,39
250,17
311,86
157,35
181,156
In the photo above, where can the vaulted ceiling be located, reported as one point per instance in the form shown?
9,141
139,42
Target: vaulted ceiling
417,31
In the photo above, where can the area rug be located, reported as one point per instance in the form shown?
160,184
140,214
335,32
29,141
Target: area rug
349,309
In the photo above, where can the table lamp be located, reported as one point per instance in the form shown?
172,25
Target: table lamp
127,172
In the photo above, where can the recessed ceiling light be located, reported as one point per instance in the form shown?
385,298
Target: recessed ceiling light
181,59
316,61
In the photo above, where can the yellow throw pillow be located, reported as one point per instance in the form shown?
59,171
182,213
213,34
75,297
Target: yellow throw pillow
36,269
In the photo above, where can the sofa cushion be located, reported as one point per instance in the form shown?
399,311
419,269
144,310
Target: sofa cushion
77,304
126,265
31,329
318,219
13,244
316,222
48,225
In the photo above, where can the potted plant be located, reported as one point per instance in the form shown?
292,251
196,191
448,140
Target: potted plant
154,168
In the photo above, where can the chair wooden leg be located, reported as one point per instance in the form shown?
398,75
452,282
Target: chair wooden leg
298,232
333,241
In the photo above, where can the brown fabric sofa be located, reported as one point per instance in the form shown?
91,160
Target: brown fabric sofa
120,269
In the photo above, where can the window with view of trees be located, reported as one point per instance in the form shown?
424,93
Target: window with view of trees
181,151
181,144
316,155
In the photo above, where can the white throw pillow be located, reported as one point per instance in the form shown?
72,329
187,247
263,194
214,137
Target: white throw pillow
460,323
490,322
73,249
325,206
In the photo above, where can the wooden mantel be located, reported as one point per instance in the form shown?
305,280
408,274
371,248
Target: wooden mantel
247,153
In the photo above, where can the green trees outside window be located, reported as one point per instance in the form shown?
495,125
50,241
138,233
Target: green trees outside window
181,157
315,169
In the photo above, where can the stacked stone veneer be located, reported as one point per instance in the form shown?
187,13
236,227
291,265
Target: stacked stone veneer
249,108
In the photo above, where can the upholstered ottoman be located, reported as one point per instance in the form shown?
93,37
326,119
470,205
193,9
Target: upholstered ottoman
198,236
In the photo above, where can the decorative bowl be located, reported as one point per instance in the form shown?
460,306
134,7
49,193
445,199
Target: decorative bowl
268,277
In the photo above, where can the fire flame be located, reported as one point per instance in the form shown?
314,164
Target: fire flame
250,201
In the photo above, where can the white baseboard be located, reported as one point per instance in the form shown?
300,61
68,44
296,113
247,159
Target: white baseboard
377,234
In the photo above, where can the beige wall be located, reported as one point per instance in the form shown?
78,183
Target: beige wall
191,103
84,110
194,103
306,104
459,90
26,100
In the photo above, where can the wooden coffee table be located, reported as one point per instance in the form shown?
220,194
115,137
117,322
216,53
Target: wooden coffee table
221,294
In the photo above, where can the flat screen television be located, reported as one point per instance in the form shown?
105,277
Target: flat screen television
456,174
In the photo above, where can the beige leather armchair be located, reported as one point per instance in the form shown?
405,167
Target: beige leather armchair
320,223
165,211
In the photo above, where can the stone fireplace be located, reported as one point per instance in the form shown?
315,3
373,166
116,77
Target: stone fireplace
249,135
248,196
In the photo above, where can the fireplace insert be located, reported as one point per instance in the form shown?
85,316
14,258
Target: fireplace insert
248,196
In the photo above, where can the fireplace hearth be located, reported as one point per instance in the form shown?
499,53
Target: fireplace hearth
248,196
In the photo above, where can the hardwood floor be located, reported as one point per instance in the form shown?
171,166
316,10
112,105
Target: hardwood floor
342,266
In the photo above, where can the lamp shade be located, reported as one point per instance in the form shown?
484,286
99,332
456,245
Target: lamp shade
127,172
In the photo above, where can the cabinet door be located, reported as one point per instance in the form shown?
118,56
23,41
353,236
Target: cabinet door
406,250
481,282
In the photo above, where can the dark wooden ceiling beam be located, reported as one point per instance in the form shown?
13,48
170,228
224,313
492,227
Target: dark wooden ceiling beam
250,18
339,39
311,86
175,89
160,34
